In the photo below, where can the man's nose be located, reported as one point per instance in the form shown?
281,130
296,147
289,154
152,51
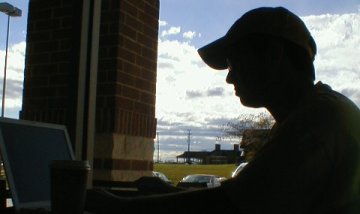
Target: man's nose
230,77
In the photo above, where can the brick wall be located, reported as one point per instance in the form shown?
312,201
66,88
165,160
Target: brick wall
51,61
126,79
126,89
127,67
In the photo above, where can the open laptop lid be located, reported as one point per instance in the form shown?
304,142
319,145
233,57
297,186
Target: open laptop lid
27,149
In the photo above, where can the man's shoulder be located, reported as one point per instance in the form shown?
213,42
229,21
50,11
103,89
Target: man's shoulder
328,110
323,110
326,101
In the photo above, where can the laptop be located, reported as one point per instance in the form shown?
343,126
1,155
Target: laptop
27,149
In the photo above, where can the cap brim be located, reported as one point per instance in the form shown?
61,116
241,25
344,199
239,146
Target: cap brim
214,54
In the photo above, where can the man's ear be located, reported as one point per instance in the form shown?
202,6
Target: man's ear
275,52
274,60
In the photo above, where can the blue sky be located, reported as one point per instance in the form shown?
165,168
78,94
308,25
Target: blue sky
17,24
213,17
192,96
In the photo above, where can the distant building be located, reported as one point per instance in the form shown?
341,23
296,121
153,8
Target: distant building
251,143
217,156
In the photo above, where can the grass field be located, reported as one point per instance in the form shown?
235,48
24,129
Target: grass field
175,172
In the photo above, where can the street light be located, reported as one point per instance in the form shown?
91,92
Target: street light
9,10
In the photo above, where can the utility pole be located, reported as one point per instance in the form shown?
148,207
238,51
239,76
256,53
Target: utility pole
188,141
158,147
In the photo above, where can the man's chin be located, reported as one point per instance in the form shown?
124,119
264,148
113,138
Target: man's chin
251,103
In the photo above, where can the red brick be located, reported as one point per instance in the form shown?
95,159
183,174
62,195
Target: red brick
66,22
61,12
62,91
36,59
131,69
47,24
106,89
42,69
128,8
133,23
148,53
61,56
150,166
124,103
149,75
105,64
141,108
129,32
39,81
39,36
110,76
120,164
109,40
130,93
139,165
64,67
127,55
39,15
148,98
45,46
63,34
144,62
125,79
145,85
66,44
115,5
151,32
132,46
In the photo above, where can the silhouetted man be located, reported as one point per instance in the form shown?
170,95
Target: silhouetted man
311,164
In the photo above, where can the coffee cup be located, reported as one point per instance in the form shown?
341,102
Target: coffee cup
68,186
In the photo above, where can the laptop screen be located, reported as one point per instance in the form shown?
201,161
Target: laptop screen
27,149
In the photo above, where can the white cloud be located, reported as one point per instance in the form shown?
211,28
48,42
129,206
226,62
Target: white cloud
162,23
14,76
189,34
337,61
171,31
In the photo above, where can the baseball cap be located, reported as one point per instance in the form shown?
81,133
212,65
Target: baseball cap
278,22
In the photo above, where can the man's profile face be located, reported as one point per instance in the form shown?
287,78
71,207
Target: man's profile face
248,72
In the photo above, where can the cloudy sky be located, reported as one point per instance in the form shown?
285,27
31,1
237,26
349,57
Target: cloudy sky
191,96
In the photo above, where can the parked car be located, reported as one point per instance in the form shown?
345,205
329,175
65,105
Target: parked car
199,181
238,169
221,179
162,176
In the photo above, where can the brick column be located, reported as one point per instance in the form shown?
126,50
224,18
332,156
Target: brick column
126,79
51,62
126,123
